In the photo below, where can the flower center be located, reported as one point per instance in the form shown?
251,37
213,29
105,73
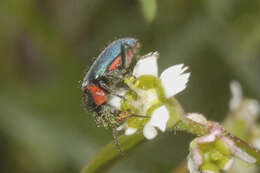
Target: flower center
145,96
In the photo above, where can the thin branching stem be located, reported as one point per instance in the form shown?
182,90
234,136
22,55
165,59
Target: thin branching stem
110,153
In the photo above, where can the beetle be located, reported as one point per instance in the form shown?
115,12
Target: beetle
104,78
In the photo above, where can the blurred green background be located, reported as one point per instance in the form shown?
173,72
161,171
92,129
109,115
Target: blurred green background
47,46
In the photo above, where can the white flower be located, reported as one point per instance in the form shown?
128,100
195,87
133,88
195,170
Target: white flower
172,80
237,95
246,109
219,143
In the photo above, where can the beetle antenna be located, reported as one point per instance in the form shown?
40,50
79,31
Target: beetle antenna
139,116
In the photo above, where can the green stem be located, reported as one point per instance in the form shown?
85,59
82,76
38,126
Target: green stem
190,126
110,154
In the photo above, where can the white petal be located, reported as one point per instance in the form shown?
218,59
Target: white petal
229,164
147,65
253,107
243,155
236,91
191,165
199,118
197,158
256,143
122,127
149,131
115,101
174,80
239,153
130,131
160,118
206,139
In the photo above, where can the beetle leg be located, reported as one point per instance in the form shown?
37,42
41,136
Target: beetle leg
117,81
115,74
139,116
115,136
125,115
108,89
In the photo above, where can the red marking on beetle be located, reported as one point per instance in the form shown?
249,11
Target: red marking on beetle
116,63
98,94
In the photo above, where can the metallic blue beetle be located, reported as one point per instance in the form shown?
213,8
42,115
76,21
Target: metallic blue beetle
104,78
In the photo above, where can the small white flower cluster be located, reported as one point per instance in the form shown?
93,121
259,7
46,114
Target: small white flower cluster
213,152
173,80
247,109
